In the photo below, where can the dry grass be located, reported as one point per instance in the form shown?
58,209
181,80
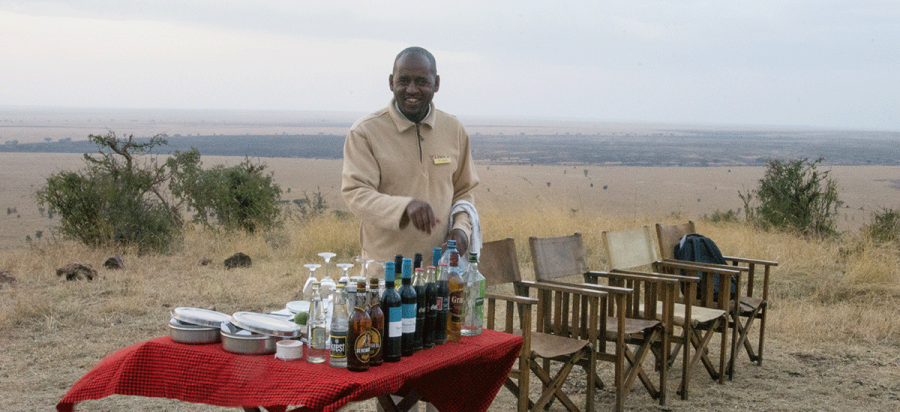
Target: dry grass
829,298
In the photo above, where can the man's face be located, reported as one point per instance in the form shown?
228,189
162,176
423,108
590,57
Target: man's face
414,84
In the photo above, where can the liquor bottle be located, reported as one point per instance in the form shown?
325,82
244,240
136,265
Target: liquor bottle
417,262
359,352
377,316
457,294
442,306
391,305
340,325
316,327
408,302
474,298
419,286
430,307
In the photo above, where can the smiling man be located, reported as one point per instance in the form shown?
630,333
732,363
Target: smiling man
406,165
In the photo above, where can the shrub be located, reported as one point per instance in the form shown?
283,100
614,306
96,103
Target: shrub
117,199
885,227
794,195
719,216
238,197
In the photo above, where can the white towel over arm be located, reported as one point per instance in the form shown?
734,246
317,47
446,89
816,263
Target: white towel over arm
469,208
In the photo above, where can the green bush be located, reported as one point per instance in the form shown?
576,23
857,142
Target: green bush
240,197
117,199
885,227
794,195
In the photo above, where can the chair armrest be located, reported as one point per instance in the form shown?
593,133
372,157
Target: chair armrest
751,261
512,298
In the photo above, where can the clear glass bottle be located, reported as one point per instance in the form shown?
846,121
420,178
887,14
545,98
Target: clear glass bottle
340,325
393,326
457,294
408,307
475,285
316,327
359,338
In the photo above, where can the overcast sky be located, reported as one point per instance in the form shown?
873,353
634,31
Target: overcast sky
769,63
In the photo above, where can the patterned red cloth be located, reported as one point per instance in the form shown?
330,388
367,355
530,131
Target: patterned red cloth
454,377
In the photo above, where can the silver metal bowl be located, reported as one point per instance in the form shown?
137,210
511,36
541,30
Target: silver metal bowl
254,344
193,334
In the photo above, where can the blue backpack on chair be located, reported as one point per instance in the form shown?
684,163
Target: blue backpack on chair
698,248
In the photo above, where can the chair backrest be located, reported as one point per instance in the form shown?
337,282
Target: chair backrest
669,236
498,262
629,249
558,257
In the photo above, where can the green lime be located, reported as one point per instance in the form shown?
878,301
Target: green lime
300,318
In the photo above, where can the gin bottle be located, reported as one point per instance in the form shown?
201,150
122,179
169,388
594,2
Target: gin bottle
442,303
316,327
474,298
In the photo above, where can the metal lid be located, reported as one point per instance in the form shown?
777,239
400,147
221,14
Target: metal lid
298,306
202,317
265,324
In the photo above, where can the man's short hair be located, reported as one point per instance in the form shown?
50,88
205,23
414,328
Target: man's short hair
419,51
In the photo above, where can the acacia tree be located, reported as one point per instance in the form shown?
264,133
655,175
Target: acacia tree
118,199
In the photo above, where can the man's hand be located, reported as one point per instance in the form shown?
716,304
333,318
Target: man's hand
421,215
462,241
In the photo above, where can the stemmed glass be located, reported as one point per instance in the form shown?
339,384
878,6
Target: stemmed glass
345,277
307,287
327,282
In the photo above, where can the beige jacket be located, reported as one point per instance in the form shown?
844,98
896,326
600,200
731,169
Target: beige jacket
387,165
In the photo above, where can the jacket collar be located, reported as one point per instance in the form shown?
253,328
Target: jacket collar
403,123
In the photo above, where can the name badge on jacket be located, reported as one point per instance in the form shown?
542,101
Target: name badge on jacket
441,160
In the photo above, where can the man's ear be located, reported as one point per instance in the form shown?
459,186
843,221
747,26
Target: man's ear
391,82
437,83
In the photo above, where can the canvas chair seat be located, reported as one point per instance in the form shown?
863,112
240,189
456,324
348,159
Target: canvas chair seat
749,305
699,315
632,326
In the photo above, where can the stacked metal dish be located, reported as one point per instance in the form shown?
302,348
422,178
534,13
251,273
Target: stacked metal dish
196,326
250,333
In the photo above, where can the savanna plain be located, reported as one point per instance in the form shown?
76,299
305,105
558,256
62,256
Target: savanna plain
831,338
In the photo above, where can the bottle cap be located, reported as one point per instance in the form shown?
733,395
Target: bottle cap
388,271
451,244
435,256
407,268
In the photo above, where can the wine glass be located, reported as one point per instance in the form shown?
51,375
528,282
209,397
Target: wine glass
345,277
307,287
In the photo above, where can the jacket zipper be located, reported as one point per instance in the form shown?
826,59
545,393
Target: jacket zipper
419,135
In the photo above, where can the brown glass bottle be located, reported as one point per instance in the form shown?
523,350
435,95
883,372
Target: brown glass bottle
377,317
359,336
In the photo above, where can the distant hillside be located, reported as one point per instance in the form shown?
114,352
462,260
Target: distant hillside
662,148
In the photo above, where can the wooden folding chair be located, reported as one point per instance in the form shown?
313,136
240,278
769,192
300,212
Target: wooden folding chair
750,308
633,252
499,265
560,257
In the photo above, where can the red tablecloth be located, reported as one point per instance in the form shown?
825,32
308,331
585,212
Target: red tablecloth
454,377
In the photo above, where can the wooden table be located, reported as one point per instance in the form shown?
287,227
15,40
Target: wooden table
454,377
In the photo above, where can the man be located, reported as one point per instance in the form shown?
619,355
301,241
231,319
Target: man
406,165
